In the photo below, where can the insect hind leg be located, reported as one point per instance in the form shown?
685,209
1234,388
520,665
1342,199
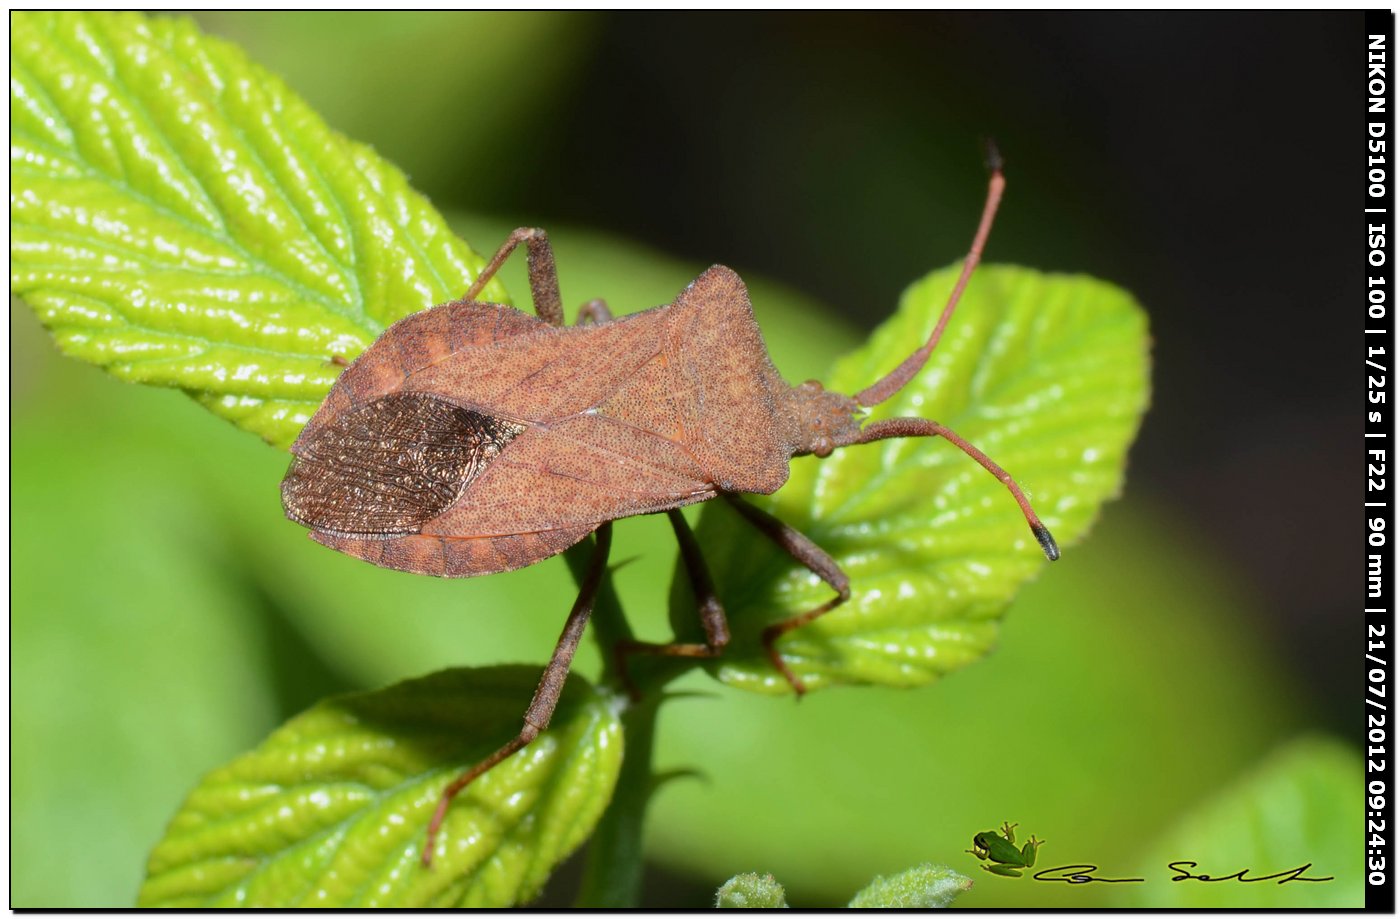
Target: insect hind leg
712,617
546,697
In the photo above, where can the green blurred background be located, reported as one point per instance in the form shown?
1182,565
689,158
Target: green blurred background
166,617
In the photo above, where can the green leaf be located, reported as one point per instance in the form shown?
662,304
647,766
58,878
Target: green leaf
352,70
332,809
924,887
918,773
181,219
1047,374
1302,806
751,891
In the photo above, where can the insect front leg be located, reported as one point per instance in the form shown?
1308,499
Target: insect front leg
546,696
812,557
712,617
539,261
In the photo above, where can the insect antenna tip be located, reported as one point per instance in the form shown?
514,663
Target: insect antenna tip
1047,542
993,155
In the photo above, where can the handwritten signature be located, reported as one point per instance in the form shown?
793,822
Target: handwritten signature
1084,874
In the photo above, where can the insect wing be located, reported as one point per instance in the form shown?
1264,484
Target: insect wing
390,465
455,556
414,343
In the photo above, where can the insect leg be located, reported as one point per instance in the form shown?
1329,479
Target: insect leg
594,312
711,612
546,696
815,559
539,261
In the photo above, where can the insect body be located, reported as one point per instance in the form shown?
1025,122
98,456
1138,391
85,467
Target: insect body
475,439
1000,849
472,438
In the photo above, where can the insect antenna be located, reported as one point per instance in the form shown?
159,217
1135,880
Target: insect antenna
923,427
892,383
895,380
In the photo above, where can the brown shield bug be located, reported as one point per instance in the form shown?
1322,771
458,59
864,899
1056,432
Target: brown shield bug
473,438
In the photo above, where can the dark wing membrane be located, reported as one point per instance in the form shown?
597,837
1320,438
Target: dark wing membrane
389,466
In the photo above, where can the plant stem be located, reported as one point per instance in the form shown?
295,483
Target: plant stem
612,868
612,873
